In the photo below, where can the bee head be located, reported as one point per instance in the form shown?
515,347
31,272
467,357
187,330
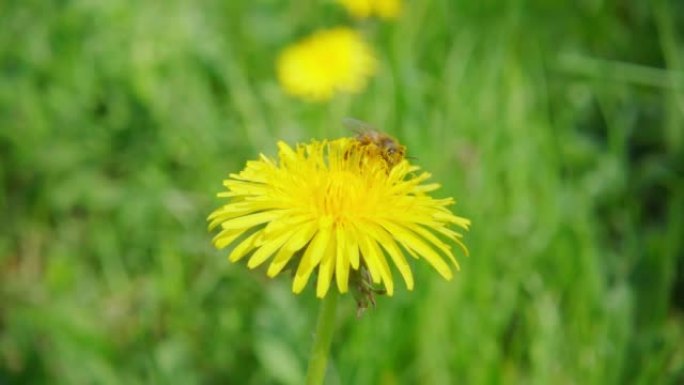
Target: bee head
394,154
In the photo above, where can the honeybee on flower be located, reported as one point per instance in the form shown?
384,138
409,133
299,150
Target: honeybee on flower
390,148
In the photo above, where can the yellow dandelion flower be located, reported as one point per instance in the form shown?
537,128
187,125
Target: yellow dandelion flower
329,61
339,208
361,9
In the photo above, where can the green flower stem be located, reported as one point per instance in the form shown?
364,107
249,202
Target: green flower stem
322,338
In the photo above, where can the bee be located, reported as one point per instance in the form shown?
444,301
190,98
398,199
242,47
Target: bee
391,150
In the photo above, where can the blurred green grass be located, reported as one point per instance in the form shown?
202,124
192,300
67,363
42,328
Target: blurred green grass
558,128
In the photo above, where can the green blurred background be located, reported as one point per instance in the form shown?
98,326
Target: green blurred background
558,128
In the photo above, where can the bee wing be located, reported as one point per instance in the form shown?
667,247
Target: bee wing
358,126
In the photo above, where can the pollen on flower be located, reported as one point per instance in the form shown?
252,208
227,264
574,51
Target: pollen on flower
327,62
336,208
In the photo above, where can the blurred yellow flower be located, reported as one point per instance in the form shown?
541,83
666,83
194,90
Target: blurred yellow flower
338,207
361,9
326,62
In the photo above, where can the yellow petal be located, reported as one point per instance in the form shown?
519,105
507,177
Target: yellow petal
342,260
302,237
252,220
437,242
283,256
226,237
285,223
352,247
412,242
325,271
221,215
243,248
318,246
268,248
369,257
381,263
312,256
388,243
